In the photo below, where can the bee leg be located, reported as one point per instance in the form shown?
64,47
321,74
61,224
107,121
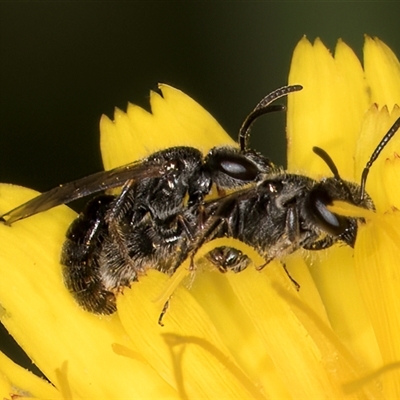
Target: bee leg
181,229
224,258
228,259
81,270
217,227
163,312
321,244
295,283
185,226
292,234
292,226
115,221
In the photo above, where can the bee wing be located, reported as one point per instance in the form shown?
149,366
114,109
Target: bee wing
86,186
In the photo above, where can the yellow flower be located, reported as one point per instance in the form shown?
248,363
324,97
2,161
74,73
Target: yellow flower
246,335
346,110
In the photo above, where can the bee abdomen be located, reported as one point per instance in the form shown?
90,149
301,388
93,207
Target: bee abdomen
79,258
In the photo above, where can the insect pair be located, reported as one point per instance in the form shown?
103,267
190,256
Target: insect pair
162,216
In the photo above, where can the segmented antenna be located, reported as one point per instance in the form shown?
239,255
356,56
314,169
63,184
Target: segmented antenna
332,166
264,107
328,161
395,127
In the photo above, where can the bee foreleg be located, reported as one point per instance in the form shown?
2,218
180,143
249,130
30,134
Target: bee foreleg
321,244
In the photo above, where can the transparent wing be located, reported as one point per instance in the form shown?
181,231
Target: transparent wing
86,186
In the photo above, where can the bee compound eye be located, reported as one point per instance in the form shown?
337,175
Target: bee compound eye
329,222
235,166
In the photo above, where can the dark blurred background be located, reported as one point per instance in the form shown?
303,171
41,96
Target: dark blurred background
63,64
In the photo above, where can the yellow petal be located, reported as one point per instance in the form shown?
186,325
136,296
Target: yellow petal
391,179
304,352
374,126
308,292
382,70
376,265
328,112
16,380
175,120
73,348
187,351
333,273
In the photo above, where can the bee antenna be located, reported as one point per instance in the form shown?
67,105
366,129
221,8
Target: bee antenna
264,107
395,127
328,161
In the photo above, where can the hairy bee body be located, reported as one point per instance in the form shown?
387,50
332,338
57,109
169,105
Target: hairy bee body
283,213
163,215
150,224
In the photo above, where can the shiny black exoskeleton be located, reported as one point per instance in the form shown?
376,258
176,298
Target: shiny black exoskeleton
117,238
285,212
153,221
162,214
281,214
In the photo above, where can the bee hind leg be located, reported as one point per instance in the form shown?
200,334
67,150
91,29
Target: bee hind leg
79,258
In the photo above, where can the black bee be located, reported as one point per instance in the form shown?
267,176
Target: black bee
156,219
162,216
284,212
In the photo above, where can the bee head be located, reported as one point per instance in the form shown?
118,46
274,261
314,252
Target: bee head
328,190
324,194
